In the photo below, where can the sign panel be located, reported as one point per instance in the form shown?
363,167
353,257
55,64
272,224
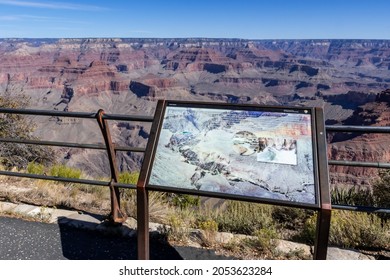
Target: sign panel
242,152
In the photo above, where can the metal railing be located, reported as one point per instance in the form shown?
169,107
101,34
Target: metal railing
111,148
378,165
116,214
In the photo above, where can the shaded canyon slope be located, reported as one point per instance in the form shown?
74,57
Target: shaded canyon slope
348,78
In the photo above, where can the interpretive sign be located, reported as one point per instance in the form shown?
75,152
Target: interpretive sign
253,153
246,152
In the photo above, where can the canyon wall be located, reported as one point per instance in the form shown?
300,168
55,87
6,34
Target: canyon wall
348,78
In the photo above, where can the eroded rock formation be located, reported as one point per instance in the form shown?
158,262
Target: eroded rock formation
127,76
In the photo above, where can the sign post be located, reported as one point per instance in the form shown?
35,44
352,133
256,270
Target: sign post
324,213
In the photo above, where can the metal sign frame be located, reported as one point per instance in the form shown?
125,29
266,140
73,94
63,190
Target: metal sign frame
322,196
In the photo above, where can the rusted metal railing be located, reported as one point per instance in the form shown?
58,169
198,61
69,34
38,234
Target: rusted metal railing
116,215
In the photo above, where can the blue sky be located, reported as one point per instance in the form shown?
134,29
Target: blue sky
246,19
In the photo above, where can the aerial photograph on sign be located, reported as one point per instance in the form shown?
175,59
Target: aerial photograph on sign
245,153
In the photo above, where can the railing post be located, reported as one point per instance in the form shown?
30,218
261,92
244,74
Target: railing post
116,215
142,191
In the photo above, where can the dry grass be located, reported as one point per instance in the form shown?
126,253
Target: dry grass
95,199
159,210
52,194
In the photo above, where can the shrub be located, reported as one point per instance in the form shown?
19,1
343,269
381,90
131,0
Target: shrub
210,229
244,217
19,127
208,225
308,232
265,239
180,224
381,189
35,168
185,201
64,171
351,230
358,230
290,217
352,196
130,178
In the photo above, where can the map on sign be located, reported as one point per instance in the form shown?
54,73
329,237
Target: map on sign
250,152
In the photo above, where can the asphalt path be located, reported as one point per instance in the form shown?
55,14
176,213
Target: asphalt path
25,240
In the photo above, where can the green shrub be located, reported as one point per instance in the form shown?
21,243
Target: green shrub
65,171
180,224
265,239
185,201
351,230
130,178
35,168
358,230
352,196
307,235
290,217
208,225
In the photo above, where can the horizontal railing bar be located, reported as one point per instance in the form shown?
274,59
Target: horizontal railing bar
125,186
368,209
356,128
52,113
130,149
54,178
53,143
66,180
128,118
360,164
55,113
71,145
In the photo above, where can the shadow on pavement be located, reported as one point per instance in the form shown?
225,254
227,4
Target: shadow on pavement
83,244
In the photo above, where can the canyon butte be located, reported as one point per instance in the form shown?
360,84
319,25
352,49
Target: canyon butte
350,79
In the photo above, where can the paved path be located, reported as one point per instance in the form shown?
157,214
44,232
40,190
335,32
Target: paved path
80,236
21,239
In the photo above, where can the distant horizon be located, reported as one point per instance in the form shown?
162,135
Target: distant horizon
249,20
190,38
